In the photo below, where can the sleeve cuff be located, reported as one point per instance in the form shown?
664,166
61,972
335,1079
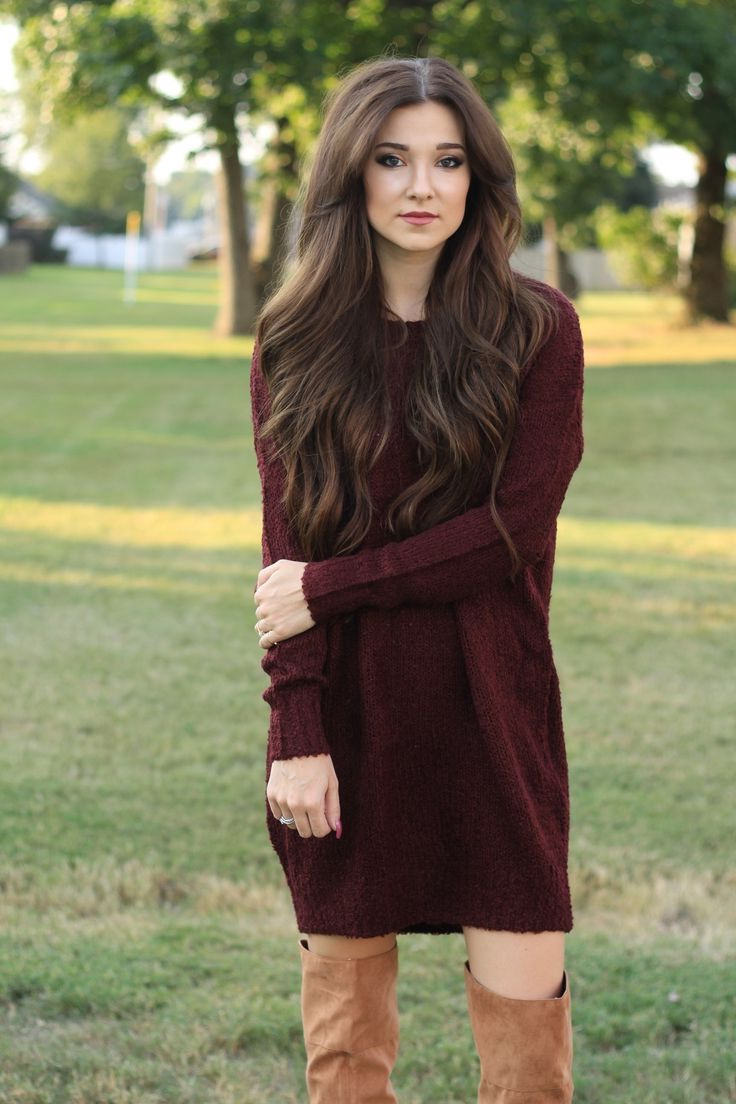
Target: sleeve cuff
340,584
295,725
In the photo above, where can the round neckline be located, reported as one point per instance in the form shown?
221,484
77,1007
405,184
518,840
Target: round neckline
406,321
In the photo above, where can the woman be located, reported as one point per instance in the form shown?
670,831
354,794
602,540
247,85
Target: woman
417,409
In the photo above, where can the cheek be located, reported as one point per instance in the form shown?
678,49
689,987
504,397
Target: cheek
460,193
380,189
372,194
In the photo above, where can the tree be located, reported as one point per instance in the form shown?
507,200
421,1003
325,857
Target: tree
625,69
229,59
85,56
666,68
565,172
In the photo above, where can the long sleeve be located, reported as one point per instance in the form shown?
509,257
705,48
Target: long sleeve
295,665
467,553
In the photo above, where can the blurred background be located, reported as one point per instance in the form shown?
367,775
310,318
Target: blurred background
149,157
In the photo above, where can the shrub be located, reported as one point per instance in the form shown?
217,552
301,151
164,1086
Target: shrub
641,244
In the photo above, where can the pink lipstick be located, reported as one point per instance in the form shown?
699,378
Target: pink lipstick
416,218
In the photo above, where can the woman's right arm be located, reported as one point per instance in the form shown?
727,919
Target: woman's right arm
457,558
296,665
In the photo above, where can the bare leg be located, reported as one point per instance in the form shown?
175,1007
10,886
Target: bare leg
519,1003
526,965
342,946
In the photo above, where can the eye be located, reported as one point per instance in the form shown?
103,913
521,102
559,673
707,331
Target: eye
457,161
386,157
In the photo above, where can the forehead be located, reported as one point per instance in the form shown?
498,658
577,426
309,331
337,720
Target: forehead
416,125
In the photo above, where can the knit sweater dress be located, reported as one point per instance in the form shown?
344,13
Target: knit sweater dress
429,678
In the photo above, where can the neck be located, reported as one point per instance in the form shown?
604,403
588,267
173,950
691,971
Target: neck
406,276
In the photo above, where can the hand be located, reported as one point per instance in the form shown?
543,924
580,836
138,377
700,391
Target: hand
306,788
281,608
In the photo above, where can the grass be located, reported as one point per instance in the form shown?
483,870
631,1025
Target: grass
148,951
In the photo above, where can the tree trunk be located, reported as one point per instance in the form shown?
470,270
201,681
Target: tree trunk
283,159
707,295
569,283
237,306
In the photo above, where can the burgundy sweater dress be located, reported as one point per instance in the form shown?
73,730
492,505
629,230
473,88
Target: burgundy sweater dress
429,678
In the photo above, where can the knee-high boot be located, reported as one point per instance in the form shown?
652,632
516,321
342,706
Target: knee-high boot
525,1046
350,1018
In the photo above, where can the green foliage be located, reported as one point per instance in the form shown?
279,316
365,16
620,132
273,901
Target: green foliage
567,170
103,180
186,191
664,66
7,178
641,243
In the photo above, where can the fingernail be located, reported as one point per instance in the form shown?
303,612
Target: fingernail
338,827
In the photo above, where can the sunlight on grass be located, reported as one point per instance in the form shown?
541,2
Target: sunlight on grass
610,336
168,440
151,527
174,295
682,542
598,542
202,528
622,328
181,341
26,573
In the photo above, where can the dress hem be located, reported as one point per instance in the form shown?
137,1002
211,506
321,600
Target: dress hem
443,926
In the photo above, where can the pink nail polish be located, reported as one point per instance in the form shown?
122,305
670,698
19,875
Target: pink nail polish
338,827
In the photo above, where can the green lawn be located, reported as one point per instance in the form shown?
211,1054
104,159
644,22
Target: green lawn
148,951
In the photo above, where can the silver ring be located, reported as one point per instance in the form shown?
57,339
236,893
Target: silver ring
286,820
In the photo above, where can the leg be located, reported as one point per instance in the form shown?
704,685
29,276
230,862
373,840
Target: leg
342,946
517,964
350,1018
519,1003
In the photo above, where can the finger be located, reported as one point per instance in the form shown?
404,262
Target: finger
274,807
302,823
319,824
279,811
332,803
264,573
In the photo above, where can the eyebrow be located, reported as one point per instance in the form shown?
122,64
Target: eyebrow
440,145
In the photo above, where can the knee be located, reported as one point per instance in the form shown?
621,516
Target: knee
342,946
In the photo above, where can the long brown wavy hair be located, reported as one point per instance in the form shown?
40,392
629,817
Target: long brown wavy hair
323,334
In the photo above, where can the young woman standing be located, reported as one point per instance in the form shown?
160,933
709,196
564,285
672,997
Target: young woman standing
417,410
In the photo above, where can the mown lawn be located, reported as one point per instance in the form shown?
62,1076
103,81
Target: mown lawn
147,944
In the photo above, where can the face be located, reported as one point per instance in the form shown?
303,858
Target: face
429,172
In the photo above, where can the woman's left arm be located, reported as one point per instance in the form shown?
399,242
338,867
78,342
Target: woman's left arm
467,553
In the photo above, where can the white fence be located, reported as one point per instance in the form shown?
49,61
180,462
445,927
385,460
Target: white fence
591,267
170,248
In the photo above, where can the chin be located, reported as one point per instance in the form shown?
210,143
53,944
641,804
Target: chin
416,241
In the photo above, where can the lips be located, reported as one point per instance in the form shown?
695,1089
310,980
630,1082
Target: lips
417,218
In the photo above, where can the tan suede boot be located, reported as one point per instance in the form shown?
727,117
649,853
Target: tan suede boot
525,1046
350,1017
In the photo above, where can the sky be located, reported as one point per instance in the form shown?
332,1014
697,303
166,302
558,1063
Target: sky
672,164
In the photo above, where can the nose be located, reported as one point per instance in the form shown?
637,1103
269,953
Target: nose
419,184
